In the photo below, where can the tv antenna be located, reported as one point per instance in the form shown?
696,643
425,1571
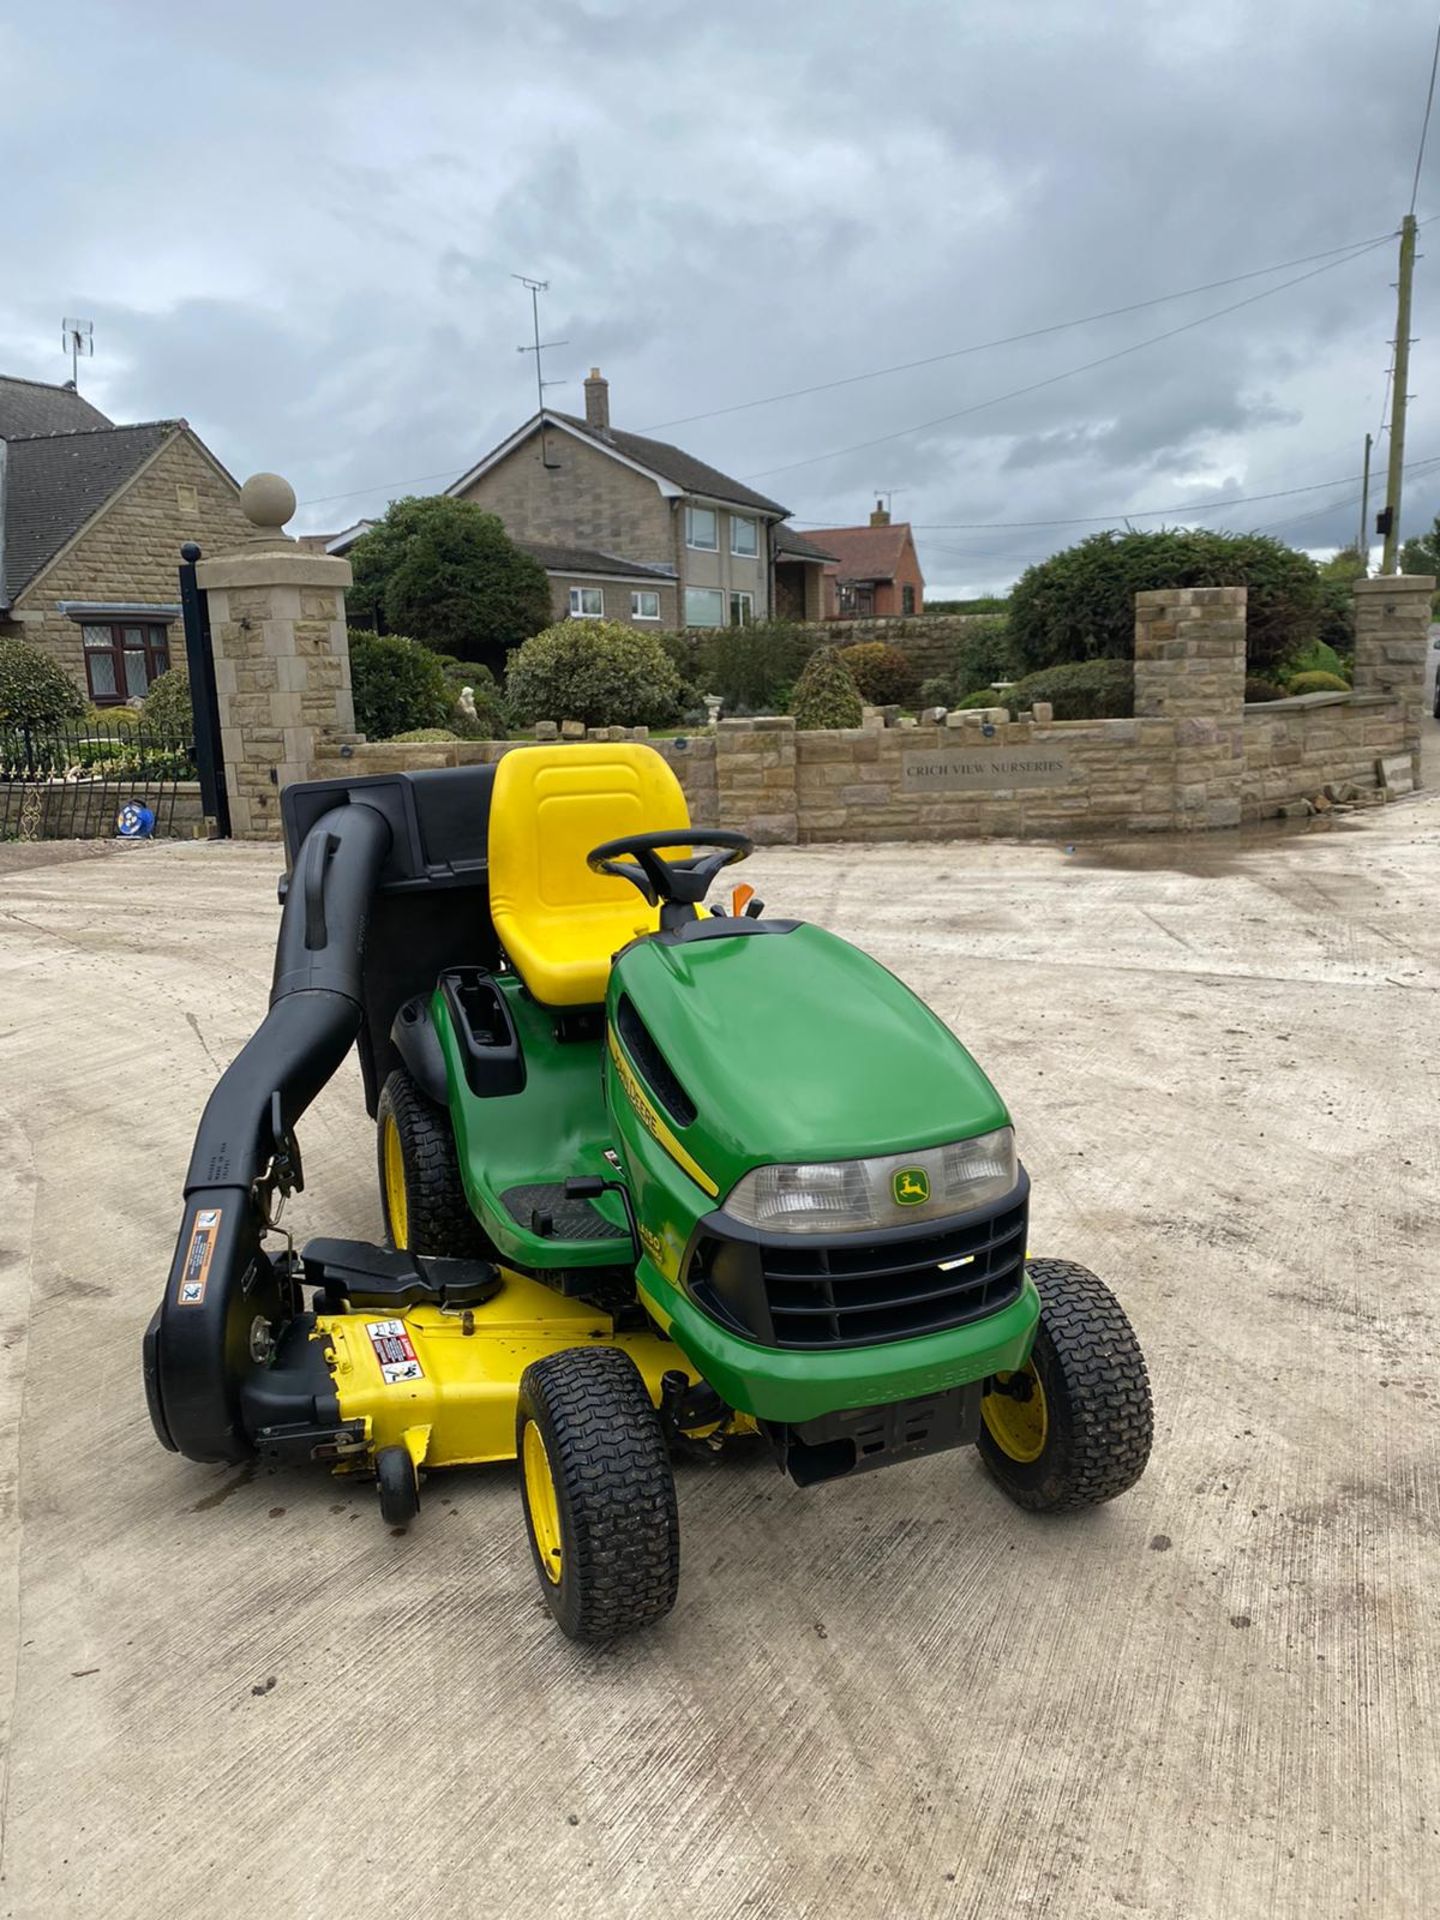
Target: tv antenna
538,346
887,494
78,337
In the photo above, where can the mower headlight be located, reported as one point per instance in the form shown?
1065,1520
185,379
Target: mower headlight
851,1196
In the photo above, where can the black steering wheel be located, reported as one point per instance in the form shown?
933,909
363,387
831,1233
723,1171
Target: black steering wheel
636,858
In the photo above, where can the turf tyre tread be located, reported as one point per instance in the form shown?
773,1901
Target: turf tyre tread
1098,1397
620,1526
440,1218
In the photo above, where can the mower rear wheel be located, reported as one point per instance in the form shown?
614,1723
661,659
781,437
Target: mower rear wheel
1073,1428
421,1192
598,1493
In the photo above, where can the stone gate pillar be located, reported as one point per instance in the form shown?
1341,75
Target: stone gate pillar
1190,669
282,661
1392,633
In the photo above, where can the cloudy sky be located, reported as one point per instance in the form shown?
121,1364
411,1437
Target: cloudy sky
299,233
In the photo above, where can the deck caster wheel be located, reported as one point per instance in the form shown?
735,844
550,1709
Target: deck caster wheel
1073,1427
398,1485
598,1493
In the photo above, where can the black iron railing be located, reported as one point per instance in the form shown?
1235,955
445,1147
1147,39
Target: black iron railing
88,780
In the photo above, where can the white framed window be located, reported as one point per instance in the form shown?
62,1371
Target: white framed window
645,605
587,603
744,536
702,530
704,607
742,609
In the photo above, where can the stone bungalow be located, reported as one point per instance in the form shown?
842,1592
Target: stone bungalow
92,519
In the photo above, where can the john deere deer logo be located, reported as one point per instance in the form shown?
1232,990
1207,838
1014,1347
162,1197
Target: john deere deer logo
910,1186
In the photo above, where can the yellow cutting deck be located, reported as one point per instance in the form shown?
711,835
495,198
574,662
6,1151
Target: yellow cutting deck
443,1382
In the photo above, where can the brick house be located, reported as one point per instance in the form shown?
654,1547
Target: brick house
92,519
875,571
635,530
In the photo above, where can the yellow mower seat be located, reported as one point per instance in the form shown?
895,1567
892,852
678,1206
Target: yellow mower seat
559,923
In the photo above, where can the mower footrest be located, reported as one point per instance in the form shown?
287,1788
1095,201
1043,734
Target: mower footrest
359,1274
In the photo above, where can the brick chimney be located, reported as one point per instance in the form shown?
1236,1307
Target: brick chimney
597,402
879,518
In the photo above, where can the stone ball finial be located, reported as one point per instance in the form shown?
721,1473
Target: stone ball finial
267,501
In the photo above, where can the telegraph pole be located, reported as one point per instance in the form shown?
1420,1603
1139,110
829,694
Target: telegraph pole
1362,545
1391,517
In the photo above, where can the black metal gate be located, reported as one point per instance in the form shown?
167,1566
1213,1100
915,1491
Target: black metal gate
200,658
85,780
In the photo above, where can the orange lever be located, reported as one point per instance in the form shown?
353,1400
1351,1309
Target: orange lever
740,899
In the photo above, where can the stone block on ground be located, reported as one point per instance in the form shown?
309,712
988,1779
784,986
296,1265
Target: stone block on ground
546,730
572,729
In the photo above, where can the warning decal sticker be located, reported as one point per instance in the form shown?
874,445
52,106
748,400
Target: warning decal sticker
394,1351
196,1271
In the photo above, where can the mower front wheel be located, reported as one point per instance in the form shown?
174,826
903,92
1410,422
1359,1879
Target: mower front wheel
598,1493
421,1192
1073,1427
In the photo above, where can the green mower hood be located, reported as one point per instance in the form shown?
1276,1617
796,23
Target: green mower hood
795,1046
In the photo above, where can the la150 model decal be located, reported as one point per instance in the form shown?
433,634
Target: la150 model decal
652,1122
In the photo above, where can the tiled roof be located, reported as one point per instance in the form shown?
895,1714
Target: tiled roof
795,546
33,406
589,560
865,553
673,465
52,483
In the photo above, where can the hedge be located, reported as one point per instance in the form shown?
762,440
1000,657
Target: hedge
1082,690
398,685
34,690
826,695
597,671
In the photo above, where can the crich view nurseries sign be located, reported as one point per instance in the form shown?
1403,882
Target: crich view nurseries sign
983,769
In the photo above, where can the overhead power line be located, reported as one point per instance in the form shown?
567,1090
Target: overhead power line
1009,339
1425,123
1335,255
1035,386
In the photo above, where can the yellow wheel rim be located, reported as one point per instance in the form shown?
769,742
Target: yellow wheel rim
396,1208
540,1499
1018,1427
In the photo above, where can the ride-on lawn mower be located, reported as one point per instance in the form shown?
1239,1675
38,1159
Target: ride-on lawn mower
653,1178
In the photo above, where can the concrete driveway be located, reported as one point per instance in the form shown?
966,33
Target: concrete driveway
236,1693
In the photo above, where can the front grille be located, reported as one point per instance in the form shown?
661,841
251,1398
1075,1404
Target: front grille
849,1293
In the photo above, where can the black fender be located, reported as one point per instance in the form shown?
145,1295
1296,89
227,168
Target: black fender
226,1303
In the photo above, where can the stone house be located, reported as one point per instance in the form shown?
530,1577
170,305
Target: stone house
92,519
635,530
875,570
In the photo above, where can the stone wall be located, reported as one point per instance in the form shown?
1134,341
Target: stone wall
1294,749
1193,757
65,806
132,552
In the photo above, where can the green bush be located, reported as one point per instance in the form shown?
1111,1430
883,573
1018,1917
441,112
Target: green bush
1080,604
425,736
982,655
885,675
983,697
398,685
167,708
751,668
936,692
447,571
825,694
1316,683
1081,690
34,690
1257,691
112,716
1321,658
597,671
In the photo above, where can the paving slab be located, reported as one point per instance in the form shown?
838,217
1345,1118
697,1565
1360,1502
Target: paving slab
233,1692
